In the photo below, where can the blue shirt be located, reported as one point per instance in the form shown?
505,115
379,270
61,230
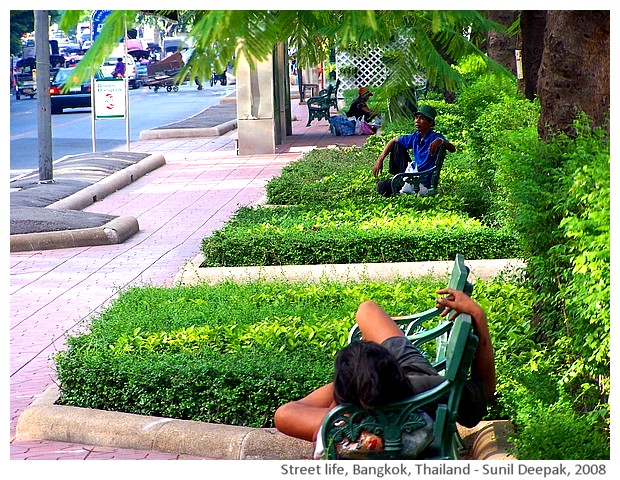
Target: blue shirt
421,157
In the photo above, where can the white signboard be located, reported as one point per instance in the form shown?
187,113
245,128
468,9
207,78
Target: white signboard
109,98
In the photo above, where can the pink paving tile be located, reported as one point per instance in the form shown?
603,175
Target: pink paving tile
200,187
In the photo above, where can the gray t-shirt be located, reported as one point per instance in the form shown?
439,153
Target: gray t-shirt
423,376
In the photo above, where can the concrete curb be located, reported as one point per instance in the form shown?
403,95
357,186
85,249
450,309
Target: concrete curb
163,133
109,184
43,420
192,273
115,231
216,131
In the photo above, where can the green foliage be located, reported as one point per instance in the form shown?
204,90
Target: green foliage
559,199
380,232
278,340
165,358
323,176
244,389
21,22
585,288
575,437
347,71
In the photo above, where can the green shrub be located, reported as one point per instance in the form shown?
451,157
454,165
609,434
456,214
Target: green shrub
243,388
324,176
166,358
377,233
558,199
557,432
230,353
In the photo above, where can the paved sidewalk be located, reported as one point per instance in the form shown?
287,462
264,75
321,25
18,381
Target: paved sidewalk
54,292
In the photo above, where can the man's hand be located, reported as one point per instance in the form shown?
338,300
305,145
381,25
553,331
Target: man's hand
458,301
434,146
378,168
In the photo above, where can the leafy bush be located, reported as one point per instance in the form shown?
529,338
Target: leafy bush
166,357
231,353
557,432
324,176
240,389
558,197
350,234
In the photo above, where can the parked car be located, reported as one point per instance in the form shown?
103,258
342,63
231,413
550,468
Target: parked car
75,97
131,70
83,38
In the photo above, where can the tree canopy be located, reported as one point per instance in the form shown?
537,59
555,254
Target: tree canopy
438,38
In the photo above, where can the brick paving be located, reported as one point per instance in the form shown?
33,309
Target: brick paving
53,293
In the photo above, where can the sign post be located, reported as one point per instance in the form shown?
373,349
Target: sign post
109,97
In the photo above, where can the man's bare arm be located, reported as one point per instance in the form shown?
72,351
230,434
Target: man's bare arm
483,365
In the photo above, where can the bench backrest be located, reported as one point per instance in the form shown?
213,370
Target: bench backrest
414,324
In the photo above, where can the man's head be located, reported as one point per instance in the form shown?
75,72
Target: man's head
364,92
424,118
368,375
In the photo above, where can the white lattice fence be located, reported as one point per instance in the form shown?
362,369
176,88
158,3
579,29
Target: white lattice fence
371,71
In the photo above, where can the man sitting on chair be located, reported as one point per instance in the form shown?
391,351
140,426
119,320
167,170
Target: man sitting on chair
424,144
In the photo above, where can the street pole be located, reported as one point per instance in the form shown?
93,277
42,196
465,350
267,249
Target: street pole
126,82
44,116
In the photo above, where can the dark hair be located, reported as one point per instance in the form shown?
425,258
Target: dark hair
368,375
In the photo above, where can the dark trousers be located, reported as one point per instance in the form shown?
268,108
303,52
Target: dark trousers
399,159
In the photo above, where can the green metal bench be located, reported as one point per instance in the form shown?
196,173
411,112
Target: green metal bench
449,346
393,423
418,323
415,179
319,106
333,95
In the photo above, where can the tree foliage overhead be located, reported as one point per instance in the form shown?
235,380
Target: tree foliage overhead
438,38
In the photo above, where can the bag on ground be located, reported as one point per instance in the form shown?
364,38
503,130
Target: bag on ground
339,125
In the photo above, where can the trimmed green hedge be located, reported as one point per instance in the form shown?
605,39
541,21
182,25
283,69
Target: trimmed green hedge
243,388
225,353
289,236
232,353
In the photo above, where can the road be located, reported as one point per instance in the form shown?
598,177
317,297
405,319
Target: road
72,130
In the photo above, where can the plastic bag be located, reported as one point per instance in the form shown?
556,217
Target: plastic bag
366,129
341,125
407,187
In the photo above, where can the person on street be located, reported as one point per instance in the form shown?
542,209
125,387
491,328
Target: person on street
119,69
386,367
359,107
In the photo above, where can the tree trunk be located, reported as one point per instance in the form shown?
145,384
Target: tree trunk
574,72
500,47
532,43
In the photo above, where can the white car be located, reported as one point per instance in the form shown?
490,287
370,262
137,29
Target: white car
131,70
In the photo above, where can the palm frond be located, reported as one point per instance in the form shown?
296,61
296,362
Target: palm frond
112,32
